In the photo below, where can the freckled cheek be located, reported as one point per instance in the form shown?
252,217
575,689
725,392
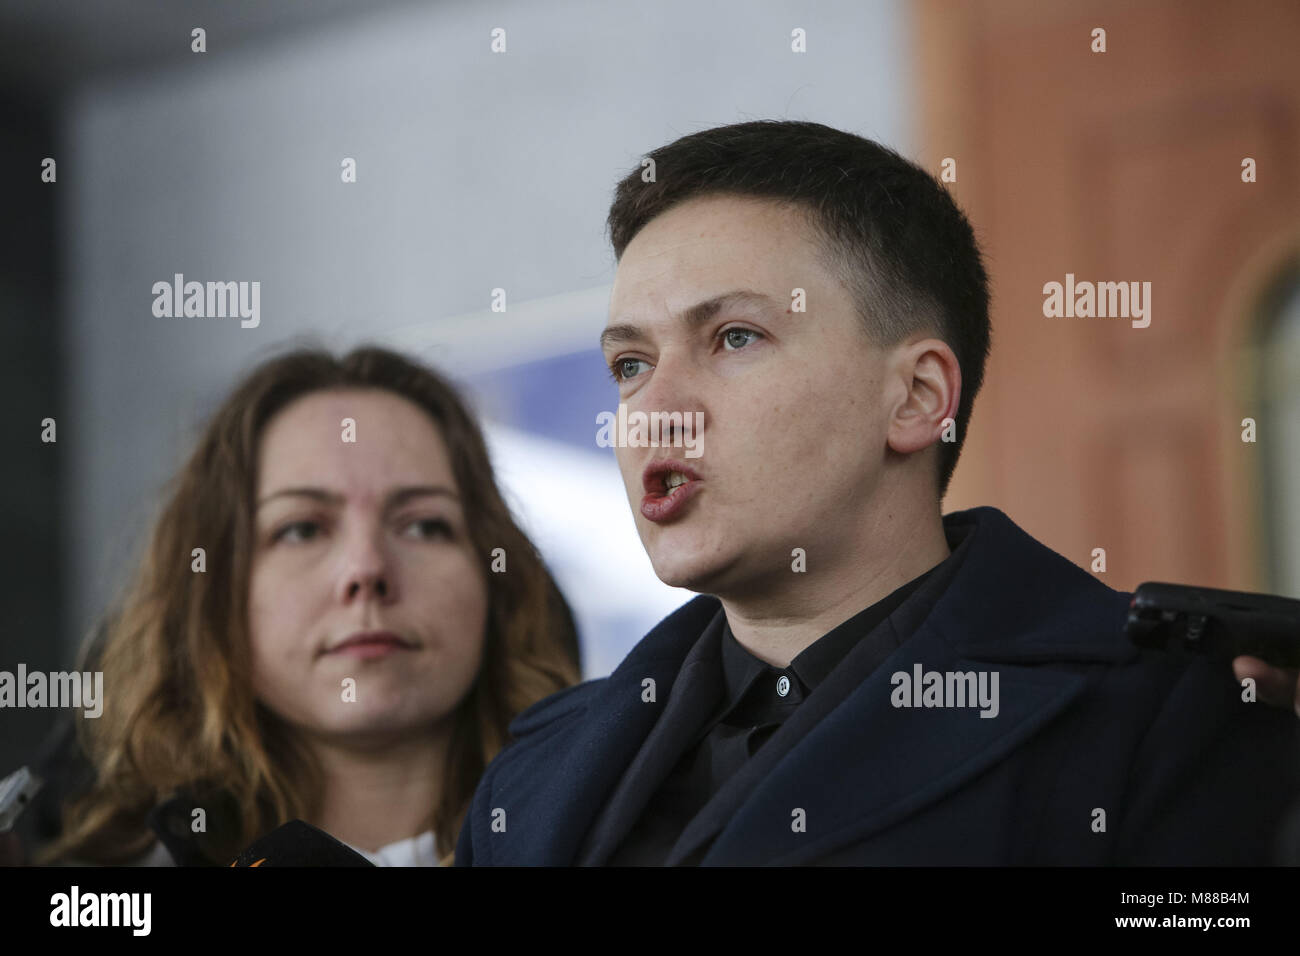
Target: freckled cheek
281,615
448,593
462,616
269,652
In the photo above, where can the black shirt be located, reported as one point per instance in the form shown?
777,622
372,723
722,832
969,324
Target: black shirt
757,699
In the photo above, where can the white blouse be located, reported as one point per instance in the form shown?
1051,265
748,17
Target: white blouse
413,851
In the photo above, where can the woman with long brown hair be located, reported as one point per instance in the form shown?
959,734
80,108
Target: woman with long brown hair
335,621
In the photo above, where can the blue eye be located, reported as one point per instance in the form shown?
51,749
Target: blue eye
732,345
623,369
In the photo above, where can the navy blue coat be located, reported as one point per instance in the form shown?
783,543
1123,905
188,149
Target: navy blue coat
1183,770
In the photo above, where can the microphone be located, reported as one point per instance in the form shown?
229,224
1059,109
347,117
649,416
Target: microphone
299,844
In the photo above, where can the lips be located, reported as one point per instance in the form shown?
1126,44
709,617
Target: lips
365,644
666,494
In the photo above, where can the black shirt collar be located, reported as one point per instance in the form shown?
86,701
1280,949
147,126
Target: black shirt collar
812,665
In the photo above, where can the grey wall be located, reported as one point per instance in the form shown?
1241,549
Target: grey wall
474,171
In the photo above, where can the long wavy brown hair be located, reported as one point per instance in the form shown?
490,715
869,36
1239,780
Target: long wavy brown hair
179,713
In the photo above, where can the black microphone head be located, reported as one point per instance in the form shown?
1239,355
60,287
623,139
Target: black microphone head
299,844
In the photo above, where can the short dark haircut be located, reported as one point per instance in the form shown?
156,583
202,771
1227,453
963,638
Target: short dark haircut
887,228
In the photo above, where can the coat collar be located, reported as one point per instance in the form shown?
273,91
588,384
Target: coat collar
1011,604
1034,604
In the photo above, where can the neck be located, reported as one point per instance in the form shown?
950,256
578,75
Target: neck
374,795
776,622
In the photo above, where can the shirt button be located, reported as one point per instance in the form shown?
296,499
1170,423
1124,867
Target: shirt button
783,685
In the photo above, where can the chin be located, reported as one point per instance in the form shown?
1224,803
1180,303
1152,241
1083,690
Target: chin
381,709
687,570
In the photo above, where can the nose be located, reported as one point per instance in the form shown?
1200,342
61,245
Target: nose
367,574
366,584
673,387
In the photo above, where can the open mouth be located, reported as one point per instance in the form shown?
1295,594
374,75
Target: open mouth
668,486
674,480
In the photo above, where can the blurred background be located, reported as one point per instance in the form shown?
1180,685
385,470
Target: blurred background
478,170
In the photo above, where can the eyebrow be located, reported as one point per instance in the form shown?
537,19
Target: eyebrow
394,499
694,316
